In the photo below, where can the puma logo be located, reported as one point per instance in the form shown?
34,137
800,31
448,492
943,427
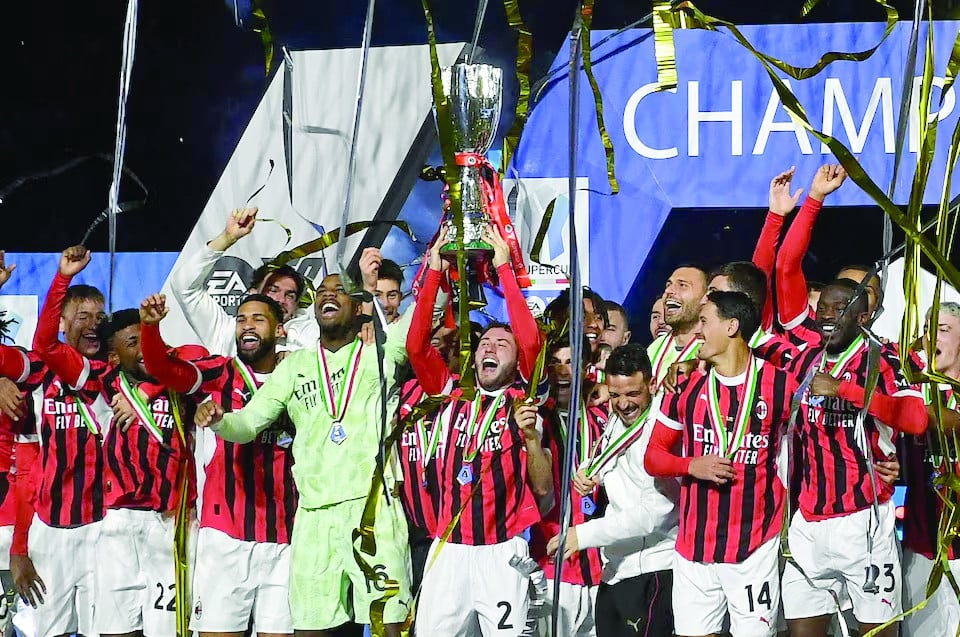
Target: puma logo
635,624
765,620
886,601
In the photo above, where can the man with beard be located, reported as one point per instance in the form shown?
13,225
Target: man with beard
658,326
581,573
213,325
332,394
925,459
389,282
681,304
494,475
728,420
249,496
835,537
638,529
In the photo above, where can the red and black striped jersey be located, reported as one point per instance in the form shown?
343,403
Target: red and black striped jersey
249,492
802,332
484,498
70,485
145,466
727,523
775,348
585,567
419,492
835,477
924,459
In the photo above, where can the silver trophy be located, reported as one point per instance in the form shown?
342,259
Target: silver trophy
475,93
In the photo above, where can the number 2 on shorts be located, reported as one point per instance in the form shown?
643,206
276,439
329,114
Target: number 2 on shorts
503,625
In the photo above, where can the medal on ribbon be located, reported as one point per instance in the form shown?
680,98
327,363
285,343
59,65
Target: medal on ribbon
838,367
726,446
465,476
587,505
336,406
337,433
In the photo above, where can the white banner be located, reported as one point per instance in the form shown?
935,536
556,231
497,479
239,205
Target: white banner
397,99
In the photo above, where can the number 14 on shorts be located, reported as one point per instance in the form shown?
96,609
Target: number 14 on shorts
762,598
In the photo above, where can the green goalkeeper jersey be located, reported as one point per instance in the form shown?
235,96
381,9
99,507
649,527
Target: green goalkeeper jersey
334,460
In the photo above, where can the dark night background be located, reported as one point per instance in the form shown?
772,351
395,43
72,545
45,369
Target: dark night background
197,78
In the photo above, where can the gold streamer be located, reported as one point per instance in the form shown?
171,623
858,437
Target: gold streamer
524,59
909,223
181,562
446,136
664,47
845,157
699,20
262,27
365,531
586,19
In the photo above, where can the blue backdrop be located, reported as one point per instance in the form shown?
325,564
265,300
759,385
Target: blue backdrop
671,154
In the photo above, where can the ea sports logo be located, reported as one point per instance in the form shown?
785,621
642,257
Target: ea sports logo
536,306
228,281
761,409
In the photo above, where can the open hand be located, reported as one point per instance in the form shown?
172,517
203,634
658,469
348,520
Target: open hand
781,201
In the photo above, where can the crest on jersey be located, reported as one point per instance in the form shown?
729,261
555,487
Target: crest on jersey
761,409
198,610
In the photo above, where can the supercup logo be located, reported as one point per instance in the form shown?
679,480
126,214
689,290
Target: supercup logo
228,281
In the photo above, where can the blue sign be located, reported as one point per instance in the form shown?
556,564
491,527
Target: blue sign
137,274
718,138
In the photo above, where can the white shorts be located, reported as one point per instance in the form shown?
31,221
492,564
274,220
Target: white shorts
6,539
65,560
576,617
136,574
941,615
237,580
833,555
469,587
704,594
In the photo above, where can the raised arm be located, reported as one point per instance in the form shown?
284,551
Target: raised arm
167,368
212,324
524,326
791,283
427,363
782,204
65,361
